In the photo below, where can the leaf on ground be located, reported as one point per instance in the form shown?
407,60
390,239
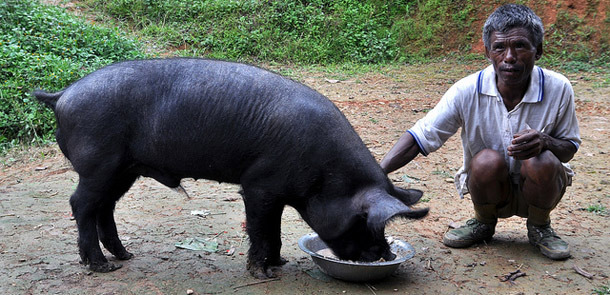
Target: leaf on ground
198,244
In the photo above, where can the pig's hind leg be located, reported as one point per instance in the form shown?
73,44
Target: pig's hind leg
92,206
263,224
106,226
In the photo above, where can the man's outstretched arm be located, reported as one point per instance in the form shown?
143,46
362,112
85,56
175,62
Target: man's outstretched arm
405,150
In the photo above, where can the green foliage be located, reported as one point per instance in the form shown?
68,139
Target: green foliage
602,290
315,31
568,46
598,209
44,47
428,27
346,31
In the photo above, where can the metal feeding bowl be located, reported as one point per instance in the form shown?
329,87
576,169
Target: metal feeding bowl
351,270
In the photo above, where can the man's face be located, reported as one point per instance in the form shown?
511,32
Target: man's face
513,55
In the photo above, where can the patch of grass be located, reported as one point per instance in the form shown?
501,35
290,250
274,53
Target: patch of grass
602,290
291,31
598,209
568,46
44,47
428,27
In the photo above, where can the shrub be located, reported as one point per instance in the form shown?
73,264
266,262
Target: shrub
315,31
43,47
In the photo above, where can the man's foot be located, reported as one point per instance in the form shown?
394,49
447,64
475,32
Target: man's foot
548,242
473,232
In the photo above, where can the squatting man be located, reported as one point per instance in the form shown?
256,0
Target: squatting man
519,130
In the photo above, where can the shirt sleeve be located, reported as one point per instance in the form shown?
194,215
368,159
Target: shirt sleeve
433,130
566,127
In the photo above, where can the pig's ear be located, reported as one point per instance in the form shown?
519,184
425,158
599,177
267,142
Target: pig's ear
407,196
383,207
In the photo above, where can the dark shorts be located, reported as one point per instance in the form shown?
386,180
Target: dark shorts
517,205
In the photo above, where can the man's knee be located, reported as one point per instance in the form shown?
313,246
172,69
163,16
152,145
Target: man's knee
542,169
488,166
488,181
543,180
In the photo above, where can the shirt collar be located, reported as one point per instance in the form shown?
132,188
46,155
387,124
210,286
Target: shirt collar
486,84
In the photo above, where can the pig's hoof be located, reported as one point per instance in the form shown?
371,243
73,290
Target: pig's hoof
278,262
124,255
104,267
262,273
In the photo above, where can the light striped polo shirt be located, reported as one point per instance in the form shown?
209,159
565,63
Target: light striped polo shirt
475,105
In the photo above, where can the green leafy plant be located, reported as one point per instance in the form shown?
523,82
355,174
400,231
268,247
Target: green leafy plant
602,290
316,31
428,27
598,209
567,45
43,47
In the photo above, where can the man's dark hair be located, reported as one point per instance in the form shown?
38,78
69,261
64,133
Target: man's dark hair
510,16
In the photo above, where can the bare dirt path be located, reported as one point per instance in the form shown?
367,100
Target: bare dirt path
38,253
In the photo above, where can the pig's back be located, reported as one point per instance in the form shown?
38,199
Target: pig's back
205,119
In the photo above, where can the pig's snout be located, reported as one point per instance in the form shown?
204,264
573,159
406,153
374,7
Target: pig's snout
389,256
378,252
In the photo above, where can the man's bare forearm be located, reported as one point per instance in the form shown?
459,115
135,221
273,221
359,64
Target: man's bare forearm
405,150
564,150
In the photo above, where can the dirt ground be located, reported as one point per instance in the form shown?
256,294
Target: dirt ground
38,238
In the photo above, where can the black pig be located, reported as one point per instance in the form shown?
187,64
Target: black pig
285,143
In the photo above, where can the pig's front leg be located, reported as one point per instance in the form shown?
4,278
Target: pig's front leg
263,223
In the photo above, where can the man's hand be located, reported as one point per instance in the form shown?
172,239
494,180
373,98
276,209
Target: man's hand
527,143
530,143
